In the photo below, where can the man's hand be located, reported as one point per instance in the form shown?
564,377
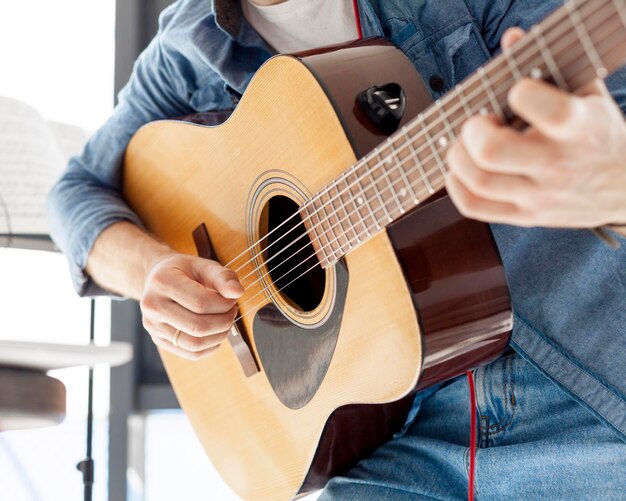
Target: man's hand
568,169
176,291
193,295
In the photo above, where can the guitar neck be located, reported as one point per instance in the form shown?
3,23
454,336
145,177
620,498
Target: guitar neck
580,41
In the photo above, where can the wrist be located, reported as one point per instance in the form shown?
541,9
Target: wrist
122,258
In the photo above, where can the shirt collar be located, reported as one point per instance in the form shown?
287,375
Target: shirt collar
228,17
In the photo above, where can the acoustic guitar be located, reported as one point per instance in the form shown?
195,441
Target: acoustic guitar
324,192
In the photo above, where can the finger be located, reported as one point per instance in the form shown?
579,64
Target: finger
197,355
476,207
194,296
596,87
488,184
511,36
501,149
554,113
218,278
166,311
188,342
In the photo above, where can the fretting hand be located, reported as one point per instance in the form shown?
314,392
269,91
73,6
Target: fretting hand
568,169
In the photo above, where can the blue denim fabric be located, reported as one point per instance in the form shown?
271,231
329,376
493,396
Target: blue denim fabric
535,442
568,288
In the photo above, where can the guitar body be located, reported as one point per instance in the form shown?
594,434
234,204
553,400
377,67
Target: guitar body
419,303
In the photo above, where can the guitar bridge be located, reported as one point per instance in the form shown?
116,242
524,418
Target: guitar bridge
237,337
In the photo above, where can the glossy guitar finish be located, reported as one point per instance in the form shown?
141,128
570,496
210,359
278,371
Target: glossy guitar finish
421,302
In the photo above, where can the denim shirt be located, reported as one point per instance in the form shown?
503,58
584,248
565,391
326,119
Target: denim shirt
568,288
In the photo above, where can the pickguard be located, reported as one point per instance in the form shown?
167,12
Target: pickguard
296,359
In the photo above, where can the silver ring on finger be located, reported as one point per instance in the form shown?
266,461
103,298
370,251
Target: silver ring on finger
175,341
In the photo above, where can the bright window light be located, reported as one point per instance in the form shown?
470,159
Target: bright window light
58,58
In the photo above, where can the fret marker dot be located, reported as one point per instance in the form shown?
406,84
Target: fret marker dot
359,200
403,193
536,73
443,141
484,112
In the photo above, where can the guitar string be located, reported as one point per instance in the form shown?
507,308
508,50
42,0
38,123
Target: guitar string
348,237
345,234
348,215
518,50
271,295
358,179
440,119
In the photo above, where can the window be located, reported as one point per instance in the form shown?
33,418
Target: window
58,58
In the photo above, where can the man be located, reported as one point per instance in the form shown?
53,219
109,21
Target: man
537,439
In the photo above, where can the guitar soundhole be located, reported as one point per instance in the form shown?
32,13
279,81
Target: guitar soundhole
292,263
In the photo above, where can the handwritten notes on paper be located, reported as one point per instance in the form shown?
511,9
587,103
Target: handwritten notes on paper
33,152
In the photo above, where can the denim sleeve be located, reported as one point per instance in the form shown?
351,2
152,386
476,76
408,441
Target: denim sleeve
494,17
87,198
617,86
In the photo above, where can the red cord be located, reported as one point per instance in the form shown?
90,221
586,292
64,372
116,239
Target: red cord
472,465
359,31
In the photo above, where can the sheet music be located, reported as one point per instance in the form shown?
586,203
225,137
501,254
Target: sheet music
33,152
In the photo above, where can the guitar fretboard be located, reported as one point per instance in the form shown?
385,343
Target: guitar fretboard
582,40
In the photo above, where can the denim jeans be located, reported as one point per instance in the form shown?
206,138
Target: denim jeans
535,442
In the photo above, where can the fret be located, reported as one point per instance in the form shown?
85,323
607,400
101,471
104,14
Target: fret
320,235
396,157
361,200
583,35
386,164
436,156
356,199
403,174
546,54
377,193
418,163
474,95
490,94
621,11
396,168
357,207
464,102
305,215
512,64
339,226
331,227
348,215
443,141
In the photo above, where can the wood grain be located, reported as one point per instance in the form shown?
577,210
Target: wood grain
180,175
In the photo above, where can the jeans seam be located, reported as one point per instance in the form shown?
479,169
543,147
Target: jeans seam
392,487
496,428
466,462
505,385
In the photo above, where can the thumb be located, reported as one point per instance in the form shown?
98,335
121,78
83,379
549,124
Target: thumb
214,276
227,284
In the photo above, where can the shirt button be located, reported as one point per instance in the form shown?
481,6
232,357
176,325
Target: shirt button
436,83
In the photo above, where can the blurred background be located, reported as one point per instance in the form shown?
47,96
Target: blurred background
62,63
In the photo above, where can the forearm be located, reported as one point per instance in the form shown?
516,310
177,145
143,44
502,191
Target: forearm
122,257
